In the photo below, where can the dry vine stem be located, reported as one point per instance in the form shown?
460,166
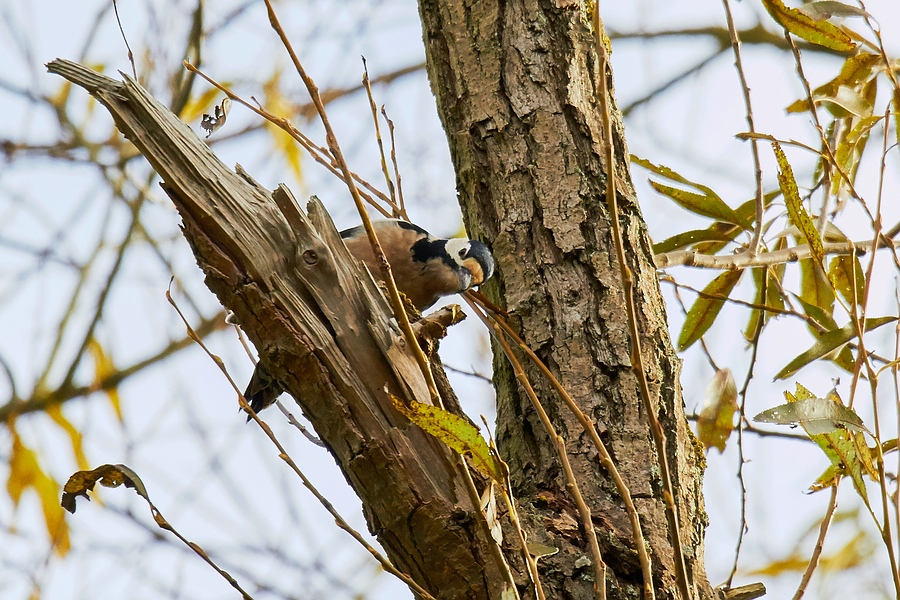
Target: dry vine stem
399,211
560,446
606,460
637,358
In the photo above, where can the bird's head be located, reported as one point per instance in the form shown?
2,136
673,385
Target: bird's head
474,259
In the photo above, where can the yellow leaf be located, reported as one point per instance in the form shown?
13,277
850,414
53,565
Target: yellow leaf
197,105
25,472
54,411
838,445
791,564
799,217
110,476
716,421
857,69
846,275
803,26
458,434
103,368
278,105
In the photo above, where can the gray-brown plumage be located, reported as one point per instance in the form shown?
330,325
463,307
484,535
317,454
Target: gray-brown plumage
425,269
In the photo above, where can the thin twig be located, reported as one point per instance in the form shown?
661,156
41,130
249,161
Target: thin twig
750,428
508,497
637,357
164,524
496,550
320,155
885,527
284,411
760,323
384,168
125,39
473,373
831,161
745,89
397,176
820,542
299,426
671,82
40,401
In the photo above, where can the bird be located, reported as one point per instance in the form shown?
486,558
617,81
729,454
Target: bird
425,269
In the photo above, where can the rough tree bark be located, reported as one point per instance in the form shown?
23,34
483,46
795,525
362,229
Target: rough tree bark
515,86
514,82
324,329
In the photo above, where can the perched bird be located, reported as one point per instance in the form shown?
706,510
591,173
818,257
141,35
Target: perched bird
425,269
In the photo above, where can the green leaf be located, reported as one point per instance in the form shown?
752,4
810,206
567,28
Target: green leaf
707,203
844,357
705,309
671,175
826,9
856,70
828,342
815,415
703,205
846,275
688,238
803,26
457,433
799,217
774,276
815,288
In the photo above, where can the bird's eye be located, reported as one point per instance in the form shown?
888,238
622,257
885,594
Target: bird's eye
462,253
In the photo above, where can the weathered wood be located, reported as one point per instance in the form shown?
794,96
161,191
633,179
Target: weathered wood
515,86
323,328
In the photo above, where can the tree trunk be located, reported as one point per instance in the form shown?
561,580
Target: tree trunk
515,90
515,86
325,331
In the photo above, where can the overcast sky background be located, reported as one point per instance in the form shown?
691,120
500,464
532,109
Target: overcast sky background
220,482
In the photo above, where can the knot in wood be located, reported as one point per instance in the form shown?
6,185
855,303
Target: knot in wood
310,257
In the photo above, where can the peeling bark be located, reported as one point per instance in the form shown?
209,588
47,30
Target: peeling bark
323,329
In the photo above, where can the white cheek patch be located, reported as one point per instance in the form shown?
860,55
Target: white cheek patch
458,248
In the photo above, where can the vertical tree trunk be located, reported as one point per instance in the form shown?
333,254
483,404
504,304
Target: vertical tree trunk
515,83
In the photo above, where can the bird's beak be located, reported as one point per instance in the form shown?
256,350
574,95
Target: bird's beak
465,279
